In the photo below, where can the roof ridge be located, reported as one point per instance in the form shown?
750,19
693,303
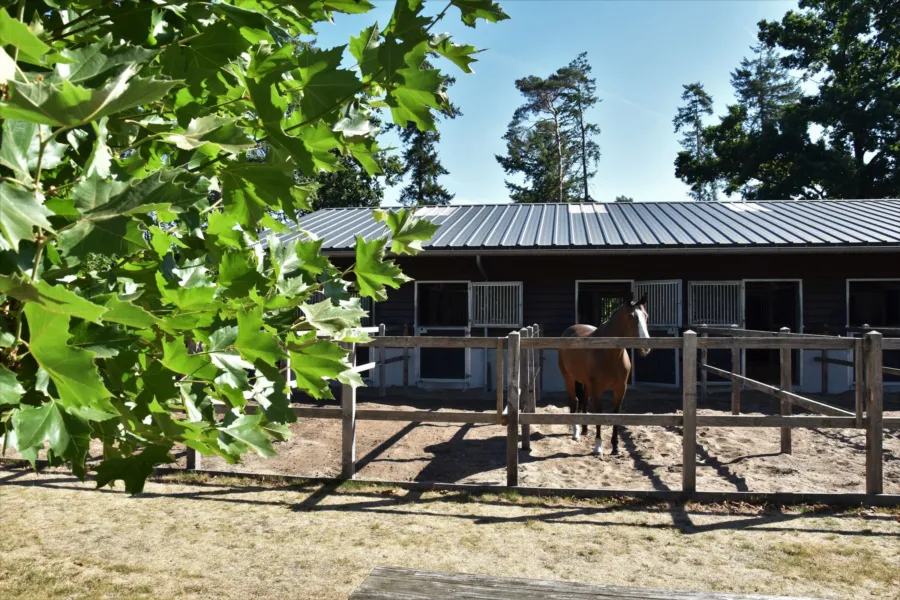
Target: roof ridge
642,202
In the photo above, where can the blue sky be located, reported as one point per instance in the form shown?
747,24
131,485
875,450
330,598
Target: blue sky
642,51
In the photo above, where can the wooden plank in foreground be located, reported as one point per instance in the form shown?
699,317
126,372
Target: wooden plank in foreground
412,584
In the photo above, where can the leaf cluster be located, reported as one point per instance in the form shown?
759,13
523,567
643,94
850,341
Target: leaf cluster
146,298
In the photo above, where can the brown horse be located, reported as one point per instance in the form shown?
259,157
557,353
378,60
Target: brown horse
600,370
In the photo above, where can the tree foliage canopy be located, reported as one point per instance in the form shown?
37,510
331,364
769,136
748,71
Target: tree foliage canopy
549,141
841,140
138,305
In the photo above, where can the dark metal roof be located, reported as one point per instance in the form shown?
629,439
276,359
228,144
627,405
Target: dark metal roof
647,226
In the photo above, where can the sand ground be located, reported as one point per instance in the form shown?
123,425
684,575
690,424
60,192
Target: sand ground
729,459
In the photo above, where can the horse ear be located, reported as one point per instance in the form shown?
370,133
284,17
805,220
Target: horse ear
628,299
642,301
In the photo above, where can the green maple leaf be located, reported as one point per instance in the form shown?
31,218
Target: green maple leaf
221,231
119,236
10,388
100,160
407,232
126,313
285,261
247,431
312,262
164,190
197,298
249,18
253,342
315,364
54,299
16,34
321,141
365,50
215,130
234,369
372,272
195,366
472,10
217,46
271,108
458,54
98,58
327,90
66,104
418,91
328,318
77,380
249,189
349,7
21,147
133,470
238,274
20,213
36,425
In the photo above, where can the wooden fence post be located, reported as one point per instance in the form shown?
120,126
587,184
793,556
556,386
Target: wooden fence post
735,384
512,410
406,358
500,387
875,429
859,368
689,414
348,425
704,358
824,356
193,460
539,370
381,362
787,384
525,386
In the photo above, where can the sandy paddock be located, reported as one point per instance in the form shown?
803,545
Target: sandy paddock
729,459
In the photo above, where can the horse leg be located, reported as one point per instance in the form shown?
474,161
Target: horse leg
596,406
572,390
618,397
584,401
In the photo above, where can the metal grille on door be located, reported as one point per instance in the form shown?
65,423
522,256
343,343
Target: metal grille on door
716,303
497,304
663,301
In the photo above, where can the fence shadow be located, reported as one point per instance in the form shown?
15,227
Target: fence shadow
333,496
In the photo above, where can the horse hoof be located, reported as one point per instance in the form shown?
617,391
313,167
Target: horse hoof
598,450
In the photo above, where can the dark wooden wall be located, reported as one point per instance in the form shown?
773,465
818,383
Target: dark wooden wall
549,281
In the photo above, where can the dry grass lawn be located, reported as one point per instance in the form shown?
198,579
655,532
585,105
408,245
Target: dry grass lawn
233,538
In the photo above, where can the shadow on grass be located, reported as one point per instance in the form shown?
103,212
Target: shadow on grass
352,497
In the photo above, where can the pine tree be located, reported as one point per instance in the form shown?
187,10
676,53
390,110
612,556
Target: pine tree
764,87
422,163
581,96
689,120
549,140
352,186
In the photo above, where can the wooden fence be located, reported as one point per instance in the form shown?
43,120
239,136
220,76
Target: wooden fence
519,354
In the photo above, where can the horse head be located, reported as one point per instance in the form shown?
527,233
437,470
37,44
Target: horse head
635,318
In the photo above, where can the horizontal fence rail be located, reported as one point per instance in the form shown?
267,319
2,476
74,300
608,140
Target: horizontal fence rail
518,370
596,343
771,390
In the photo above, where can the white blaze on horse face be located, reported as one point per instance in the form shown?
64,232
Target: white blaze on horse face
642,324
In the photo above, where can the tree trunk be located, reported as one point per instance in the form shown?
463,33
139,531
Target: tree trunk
584,168
559,152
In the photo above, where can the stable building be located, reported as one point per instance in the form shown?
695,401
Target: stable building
811,266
